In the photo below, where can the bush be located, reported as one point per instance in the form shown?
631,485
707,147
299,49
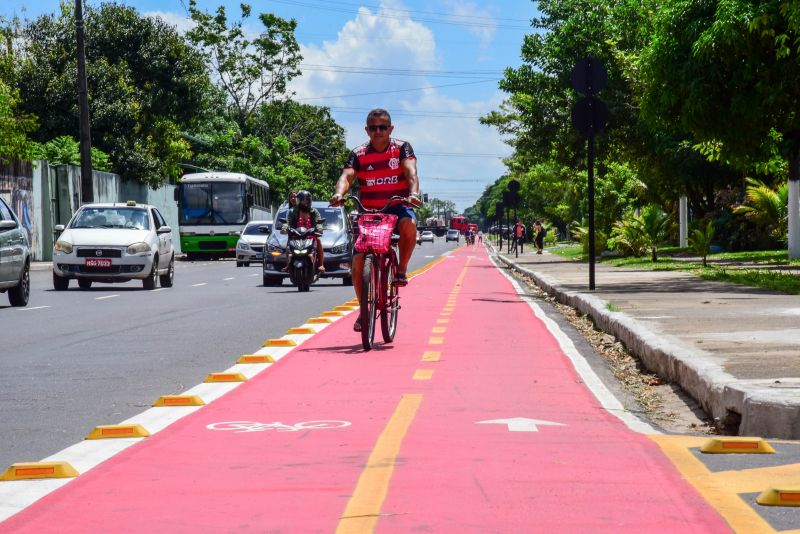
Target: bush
700,240
581,233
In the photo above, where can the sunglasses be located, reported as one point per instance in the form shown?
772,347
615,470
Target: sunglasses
376,127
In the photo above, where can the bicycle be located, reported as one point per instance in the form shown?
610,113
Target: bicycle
379,296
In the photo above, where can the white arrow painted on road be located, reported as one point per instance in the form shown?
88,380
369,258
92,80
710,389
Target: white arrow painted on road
521,424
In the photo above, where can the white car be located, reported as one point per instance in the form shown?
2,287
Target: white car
114,243
250,246
452,235
426,235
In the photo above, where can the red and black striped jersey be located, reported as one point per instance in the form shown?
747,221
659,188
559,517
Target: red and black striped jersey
380,174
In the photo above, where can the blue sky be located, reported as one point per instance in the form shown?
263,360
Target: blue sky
445,58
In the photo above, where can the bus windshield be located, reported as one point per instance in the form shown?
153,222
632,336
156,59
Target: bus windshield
212,203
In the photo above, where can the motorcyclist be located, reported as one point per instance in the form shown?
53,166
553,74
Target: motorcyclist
303,215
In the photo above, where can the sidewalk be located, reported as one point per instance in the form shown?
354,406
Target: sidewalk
735,349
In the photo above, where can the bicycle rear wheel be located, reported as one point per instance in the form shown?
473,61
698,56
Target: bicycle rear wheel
390,304
369,301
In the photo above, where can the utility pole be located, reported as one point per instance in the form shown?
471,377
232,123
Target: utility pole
87,190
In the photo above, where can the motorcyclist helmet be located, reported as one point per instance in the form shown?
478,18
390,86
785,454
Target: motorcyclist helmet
304,199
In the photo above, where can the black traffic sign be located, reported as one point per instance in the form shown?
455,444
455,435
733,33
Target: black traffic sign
589,76
513,186
589,115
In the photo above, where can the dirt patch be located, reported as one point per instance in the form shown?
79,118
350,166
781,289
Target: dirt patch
665,404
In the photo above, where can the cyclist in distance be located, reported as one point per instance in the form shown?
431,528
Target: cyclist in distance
385,166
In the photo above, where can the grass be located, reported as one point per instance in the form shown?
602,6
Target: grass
752,268
610,306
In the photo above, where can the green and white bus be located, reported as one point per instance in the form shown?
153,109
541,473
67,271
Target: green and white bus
214,207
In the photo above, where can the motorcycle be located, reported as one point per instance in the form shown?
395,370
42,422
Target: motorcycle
303,250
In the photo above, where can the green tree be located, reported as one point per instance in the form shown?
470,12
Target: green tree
250,72
15,127
767,206
65,150
145,85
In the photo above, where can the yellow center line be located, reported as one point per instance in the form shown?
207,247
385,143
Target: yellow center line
423,374
439,330
431,356
436,340
364,507
442,321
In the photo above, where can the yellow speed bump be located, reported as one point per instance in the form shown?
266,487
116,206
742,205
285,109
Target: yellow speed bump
332,314
30,470
301,330
118,431
737,445
344,308
255,358
179,400
280,343
786,496
225,377
319,320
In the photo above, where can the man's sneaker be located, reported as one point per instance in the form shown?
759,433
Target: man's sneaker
400,280
357,325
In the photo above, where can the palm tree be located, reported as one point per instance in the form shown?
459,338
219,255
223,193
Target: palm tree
655,224
767,206
701,240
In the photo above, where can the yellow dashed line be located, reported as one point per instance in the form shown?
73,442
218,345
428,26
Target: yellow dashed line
439,330
423,374
442,321
436,341
431,356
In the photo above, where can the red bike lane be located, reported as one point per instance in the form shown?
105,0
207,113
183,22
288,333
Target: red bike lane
473,420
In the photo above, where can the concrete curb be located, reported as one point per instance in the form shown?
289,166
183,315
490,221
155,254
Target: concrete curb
765,410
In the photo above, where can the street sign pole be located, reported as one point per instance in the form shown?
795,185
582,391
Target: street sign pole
591,210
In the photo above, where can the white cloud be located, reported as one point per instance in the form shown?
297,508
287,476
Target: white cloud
181,22
483,23
400,43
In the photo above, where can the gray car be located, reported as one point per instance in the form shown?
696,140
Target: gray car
250,247
337,242
15,258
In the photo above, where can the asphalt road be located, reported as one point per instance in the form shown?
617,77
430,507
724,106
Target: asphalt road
73,360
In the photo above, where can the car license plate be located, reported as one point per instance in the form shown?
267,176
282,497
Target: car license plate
98,262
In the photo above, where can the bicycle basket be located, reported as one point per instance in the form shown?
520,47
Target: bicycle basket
375,232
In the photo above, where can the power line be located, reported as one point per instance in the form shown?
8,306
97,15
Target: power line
419,113
474,74
399,90
461,155
412,11
484,25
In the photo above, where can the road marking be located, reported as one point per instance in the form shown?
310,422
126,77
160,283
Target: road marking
431,356
200,284
157,290
439,330
106,297
34,308
442,321
520,424
231,278
364,507
436,340
254,274
423,374
430,256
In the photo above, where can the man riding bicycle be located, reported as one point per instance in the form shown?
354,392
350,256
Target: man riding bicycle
385,167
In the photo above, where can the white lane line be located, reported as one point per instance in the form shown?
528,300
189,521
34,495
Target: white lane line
159,289
430,256
200,284
256,274
34,308
231,278
106,297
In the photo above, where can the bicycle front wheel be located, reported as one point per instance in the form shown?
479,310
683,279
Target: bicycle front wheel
369,301
390,304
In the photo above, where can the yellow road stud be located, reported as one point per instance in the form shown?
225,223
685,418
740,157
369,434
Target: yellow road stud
301,330
31,470
225,377
344,308
319,320
332,314
118,431
736,445
280,343
786,496
431,356
179,400
255,358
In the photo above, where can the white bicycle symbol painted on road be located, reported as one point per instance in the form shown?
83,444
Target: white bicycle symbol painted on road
253,426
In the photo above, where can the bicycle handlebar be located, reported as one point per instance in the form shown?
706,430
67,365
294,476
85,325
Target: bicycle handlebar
391,202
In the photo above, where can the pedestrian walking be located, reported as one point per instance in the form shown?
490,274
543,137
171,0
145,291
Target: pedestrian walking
539,232
519,234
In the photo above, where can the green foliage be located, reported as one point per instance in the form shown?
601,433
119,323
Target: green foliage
655,225
580,232
250,72
701,239
628,236
15,127
66,150
146,84
767,206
